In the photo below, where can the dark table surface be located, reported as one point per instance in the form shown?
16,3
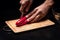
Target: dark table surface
47,33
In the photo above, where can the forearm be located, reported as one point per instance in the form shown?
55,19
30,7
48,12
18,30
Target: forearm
48,2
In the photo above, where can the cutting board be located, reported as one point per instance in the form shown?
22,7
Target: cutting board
11,24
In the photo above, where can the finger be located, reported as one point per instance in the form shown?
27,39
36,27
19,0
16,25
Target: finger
23,21
31,13
30,2
23,6
33,16
22,13
35,19
41,17
23,1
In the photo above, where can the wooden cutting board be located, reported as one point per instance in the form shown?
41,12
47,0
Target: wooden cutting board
11,24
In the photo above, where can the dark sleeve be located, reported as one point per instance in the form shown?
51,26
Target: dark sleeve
36,3
57,5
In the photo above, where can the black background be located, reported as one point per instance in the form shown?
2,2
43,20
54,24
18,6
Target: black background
9,10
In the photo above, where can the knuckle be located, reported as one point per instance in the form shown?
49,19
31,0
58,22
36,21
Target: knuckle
20,2
21,9
38,15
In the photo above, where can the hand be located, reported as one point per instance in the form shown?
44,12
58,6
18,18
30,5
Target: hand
38,13
25,5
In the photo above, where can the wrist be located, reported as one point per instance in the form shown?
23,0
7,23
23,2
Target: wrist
49,2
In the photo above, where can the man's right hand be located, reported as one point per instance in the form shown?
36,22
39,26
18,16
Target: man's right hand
25,5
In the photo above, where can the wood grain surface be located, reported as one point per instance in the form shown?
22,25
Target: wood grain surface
11,24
